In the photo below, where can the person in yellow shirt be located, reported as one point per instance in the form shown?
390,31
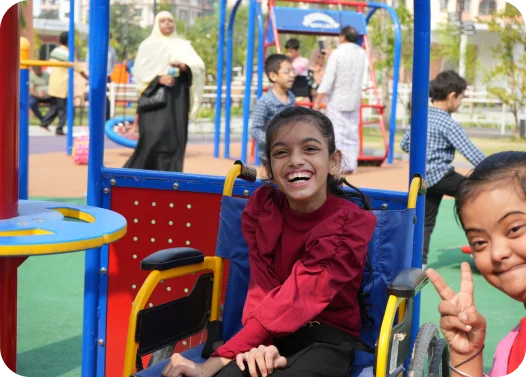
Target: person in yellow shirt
58,86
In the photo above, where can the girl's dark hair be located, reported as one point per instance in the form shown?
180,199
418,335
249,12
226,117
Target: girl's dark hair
296,115
500,169
444,84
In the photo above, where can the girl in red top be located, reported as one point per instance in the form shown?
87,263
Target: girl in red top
491,206
307,248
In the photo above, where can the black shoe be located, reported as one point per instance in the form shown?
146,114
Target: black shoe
59,131
45,127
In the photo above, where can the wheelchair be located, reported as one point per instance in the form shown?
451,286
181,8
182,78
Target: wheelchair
390,284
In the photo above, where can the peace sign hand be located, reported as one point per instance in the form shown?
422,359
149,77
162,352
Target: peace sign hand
462,325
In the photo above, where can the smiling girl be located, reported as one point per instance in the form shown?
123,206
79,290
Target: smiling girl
491,206
307,247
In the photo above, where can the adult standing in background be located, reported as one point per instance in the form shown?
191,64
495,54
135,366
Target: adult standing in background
169,63
342,84
58,86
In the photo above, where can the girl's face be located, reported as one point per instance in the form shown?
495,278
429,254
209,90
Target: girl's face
495,224
166,25
300,163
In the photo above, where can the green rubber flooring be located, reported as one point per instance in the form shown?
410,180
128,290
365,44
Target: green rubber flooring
50,298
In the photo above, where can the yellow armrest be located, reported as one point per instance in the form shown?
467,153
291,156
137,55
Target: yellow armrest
214,264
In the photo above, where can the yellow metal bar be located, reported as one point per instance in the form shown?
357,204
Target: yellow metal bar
385,336
45,63
215,311
153,279
402,309
230,179
24,51
416,182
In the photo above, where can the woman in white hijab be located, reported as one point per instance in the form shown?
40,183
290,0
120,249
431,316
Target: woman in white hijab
169,63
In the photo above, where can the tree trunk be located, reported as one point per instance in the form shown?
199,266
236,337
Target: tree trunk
517,130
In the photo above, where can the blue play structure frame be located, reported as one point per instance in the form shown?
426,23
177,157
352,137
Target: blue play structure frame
100,178
256,18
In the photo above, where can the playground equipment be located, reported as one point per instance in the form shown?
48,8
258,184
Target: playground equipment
304,21
112,128
168,209
32,228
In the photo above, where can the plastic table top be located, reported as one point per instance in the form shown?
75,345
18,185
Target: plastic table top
41,228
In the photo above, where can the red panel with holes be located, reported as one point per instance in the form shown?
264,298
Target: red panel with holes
157,219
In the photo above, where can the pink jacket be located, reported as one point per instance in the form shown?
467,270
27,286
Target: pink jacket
502,354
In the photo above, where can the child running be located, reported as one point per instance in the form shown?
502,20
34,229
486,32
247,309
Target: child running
307,247
444,138
491,206
281,74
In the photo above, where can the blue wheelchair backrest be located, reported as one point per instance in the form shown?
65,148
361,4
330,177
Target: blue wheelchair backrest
389,252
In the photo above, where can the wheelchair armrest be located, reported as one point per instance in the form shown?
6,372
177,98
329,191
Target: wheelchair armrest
408,283
166,259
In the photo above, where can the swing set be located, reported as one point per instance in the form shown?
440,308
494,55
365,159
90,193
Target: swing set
322,22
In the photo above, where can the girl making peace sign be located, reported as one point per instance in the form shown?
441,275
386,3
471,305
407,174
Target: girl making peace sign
491,206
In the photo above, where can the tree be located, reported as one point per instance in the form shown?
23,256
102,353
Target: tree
126,32
507,79
204,35
448,48
81,46
382,42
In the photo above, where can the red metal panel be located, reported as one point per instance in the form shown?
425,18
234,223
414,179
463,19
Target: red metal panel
8,309
157,220
9,95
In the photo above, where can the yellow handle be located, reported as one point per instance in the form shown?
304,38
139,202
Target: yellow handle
418,187
45,63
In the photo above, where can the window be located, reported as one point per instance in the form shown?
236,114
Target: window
138,12
443,5
487,7
464,5
183,15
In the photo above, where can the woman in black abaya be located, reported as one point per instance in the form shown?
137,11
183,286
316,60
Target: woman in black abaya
166,62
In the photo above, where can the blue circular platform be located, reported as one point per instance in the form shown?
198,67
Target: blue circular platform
115,137
43,228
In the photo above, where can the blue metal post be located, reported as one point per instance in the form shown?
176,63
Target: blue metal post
219,77
98,41
71,79
420,95
228,79
23,151
396,70
248,78
261,61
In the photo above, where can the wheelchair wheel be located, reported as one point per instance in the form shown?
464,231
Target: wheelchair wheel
439,364
423,350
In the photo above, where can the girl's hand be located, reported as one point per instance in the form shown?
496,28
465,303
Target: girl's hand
266,358
166,80
179,366
462,325
179,65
